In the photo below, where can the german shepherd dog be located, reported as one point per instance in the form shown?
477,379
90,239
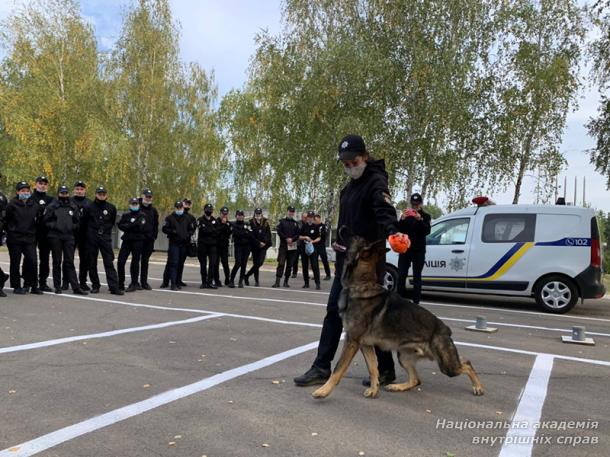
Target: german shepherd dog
373,316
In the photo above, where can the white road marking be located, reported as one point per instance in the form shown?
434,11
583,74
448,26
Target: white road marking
71,339
274,300
62,435
529,410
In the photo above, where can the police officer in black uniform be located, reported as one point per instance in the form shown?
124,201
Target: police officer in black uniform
365,210
79,198
41,198
207,241
321,246
289,233
133,225
151,231
310,233
300,249
3,204
179,228
416,224
99,218
261,232
22,214
222,247
242,243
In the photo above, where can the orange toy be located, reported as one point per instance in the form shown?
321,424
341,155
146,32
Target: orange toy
399,242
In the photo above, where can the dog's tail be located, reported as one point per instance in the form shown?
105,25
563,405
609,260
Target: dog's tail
446,353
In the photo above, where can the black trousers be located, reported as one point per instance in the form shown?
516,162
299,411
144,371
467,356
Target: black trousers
148,246
176,255
133,248
44,254
285,258
223,258
258,259
80,245
27,250
323,255
62,252
315,266
333,326
417,259
95,246
207,255
2,276
242,252
299,256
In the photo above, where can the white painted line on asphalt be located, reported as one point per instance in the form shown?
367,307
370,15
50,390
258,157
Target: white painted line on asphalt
71,339
60,436
519,441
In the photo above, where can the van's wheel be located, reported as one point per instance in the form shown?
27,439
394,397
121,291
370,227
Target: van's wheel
390,279
556,294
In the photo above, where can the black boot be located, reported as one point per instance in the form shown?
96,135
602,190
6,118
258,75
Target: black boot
65,286
44,288
59,291
245,281
318,285
241,284
306,285
286,282
132,288
276,284
312,377
80,291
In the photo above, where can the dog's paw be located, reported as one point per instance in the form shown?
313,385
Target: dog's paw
371,393
320,393
478,390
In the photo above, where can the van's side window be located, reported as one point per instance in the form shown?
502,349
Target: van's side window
453,231
509,228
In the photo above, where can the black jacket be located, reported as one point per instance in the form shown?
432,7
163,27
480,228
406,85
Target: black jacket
208,231
261,231
151,231
242,233
134,225
99,218
224,233
288,228
81,203
42,199
22,221
323,233
61,219
3,205
179,229
417,231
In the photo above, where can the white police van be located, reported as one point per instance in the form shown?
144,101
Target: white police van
551,253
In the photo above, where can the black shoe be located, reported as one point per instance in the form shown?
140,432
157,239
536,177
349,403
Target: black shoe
65,286
117,292
85,287
20,291
203,286
231,285
212,286
37,291
294,275
276,284
246,282
327,278
312,377
317,286
305,286
286,283
80,291
138,286
43,288
174,288
227,281
218,284
181,284
164,285
95,290
240,285
59,291
2,294
256,284
132,288
385,378
146,286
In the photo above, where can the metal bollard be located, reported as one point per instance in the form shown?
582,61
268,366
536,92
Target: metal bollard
578,336
481,326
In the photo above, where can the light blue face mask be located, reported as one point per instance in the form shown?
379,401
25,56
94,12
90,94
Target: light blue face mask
179,213
134,208
24,196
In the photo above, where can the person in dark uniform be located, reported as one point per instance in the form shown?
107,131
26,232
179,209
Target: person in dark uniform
310,233
62,218
151,231
242,243
179,228
321,246
186,208
262,241
42,199
99,218
21,220
223,239
207,240
79,198
289,232
415,222
3,204
365,210
300,249
133,225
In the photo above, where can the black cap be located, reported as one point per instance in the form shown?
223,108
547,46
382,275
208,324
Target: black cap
42,178
224,210
179,204
147,192
258,211
350,147
187,201
22,185
79,184
291,209
208,207
63,190
311,213
239,212
133,200
416,198
101,190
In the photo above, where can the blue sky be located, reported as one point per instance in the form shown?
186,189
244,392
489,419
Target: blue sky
220,35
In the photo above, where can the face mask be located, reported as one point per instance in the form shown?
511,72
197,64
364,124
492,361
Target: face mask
134,208
145,203
24,196
208,213
64,199
186,210
179,212
355,172
258,217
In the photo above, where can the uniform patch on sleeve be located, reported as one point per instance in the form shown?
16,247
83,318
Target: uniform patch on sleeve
387,198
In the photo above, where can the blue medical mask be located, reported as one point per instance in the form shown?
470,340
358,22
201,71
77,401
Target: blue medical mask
134,208
24,196
179,212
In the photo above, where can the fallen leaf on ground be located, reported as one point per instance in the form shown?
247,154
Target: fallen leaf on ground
428,411
177,437
146,386
275,381
171,443
265,445
314,434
